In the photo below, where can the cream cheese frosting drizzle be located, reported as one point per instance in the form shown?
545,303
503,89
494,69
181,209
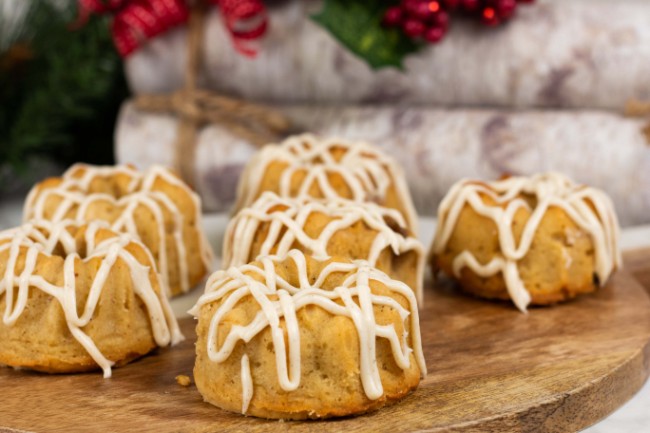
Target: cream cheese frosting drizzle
287,218
74,196
279,300
41,238
591,209
366,171
246,383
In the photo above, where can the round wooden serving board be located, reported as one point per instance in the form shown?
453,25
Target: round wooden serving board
491,369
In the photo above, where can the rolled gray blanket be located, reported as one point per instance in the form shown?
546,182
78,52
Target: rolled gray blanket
435,146
555,53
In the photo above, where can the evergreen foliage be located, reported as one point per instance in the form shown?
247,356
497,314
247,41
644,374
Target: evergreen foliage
60,88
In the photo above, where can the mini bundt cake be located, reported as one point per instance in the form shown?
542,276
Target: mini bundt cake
79,297
538,240
305,165
155,207
296,338
325,228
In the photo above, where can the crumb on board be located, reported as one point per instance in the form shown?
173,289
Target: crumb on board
183,380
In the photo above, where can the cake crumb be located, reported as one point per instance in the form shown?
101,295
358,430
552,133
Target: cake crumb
183,380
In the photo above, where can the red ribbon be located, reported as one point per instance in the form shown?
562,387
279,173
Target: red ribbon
136,21
246,20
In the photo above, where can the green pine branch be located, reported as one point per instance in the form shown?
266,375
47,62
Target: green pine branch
59,89
357,25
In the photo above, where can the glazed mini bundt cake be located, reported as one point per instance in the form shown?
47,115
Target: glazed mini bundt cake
305,165
296,338
538,240
155,207
273,225
79,297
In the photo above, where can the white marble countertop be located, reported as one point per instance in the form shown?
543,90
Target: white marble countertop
633,416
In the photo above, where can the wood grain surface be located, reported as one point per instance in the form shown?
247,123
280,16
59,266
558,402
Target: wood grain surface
491,369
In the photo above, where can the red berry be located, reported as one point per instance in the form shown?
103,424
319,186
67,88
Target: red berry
441,19
434,6
434,34
426,9
505,8
413,28
470,5
423,11
393,16
489,17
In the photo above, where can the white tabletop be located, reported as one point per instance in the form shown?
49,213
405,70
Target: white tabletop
633,416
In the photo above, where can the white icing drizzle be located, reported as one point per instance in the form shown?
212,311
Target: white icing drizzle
278,299
246,383
40,237
241,230
367,171
549,190
74,194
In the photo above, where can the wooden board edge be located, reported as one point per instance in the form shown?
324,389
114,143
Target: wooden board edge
572,411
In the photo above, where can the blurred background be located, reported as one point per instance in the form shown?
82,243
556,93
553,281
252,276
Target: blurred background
450,88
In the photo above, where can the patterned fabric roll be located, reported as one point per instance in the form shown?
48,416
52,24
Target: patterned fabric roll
436,147
555,53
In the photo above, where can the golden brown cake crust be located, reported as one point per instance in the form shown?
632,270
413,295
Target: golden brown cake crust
155,206
562,260
330,381
336,227
120,327
543,270
306,165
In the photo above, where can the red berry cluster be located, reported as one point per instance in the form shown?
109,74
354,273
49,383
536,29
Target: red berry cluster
491,12
424,19
429,19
